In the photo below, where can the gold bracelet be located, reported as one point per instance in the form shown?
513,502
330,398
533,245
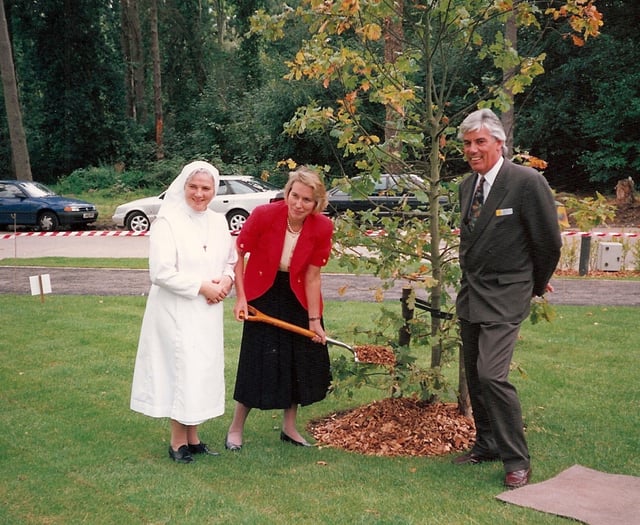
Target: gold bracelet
314,318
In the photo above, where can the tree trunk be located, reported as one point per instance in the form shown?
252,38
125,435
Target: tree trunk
132,49
125,43
19,151
393,35
157,80
508,116
221,20
625,192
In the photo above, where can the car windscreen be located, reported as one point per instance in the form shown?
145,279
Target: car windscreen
259,185
35,189
246,186
405,183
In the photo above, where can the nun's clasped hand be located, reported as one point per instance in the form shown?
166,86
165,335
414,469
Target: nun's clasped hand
216,290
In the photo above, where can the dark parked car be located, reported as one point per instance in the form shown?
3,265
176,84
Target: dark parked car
389,193
26,203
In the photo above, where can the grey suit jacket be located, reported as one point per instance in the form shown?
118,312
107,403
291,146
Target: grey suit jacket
513,249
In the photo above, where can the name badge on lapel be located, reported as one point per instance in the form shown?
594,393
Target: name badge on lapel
504,211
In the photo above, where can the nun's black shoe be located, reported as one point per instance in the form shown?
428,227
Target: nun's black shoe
202,448
287,439
182,455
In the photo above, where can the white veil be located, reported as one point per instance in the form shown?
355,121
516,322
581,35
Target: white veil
174,198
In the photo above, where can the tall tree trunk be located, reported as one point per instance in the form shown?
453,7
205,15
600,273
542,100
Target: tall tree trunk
19,151
508,117
132,49
393,36
221,20
125,43
157,80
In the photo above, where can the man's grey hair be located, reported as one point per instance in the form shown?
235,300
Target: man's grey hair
487,119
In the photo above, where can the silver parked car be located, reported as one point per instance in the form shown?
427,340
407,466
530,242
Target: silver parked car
236,198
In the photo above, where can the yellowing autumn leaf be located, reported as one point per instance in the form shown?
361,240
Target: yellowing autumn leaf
371,32
350,6
289,163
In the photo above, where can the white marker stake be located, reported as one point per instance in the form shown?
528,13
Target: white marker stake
40,285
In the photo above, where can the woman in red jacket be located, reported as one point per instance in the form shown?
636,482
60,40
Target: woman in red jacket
287,243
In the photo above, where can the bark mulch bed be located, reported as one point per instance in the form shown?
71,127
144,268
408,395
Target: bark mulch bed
396,427
375,354
596,274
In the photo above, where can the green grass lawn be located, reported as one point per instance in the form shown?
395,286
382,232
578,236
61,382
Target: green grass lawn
72,452
135,263
131,263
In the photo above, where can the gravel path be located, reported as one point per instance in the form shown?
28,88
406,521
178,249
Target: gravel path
336,287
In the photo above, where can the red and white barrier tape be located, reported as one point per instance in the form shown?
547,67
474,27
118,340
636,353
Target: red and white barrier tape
601,234
456,231
96,233
370,233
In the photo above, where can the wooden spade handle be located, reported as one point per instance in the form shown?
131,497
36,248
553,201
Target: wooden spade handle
257,315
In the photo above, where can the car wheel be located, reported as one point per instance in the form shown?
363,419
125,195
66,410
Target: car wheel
236,219
48,221
137,222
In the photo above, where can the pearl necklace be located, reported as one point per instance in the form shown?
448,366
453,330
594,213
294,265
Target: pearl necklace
291,230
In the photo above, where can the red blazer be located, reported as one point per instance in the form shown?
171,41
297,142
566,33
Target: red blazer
262,236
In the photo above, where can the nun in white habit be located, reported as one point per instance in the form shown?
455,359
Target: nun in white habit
179,368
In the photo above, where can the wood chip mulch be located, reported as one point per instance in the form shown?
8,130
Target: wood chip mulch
396,427
621,274
375,354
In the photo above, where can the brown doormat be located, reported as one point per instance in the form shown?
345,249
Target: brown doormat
583,494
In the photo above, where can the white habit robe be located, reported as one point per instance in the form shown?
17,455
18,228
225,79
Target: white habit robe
179,368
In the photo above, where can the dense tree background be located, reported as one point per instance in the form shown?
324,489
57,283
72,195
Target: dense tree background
70,81
582,114
224,97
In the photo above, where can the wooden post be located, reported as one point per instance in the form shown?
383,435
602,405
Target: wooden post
404,335
585,252
41,288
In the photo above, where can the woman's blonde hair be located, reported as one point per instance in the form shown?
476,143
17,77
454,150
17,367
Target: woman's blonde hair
309,178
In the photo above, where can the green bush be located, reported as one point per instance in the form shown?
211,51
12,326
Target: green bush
161,173
88,179
116,181
590,212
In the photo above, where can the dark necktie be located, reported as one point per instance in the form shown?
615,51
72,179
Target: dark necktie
476,203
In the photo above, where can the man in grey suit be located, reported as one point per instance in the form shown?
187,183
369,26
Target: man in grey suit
509,248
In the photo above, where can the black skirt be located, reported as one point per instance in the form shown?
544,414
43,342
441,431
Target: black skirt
278,368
